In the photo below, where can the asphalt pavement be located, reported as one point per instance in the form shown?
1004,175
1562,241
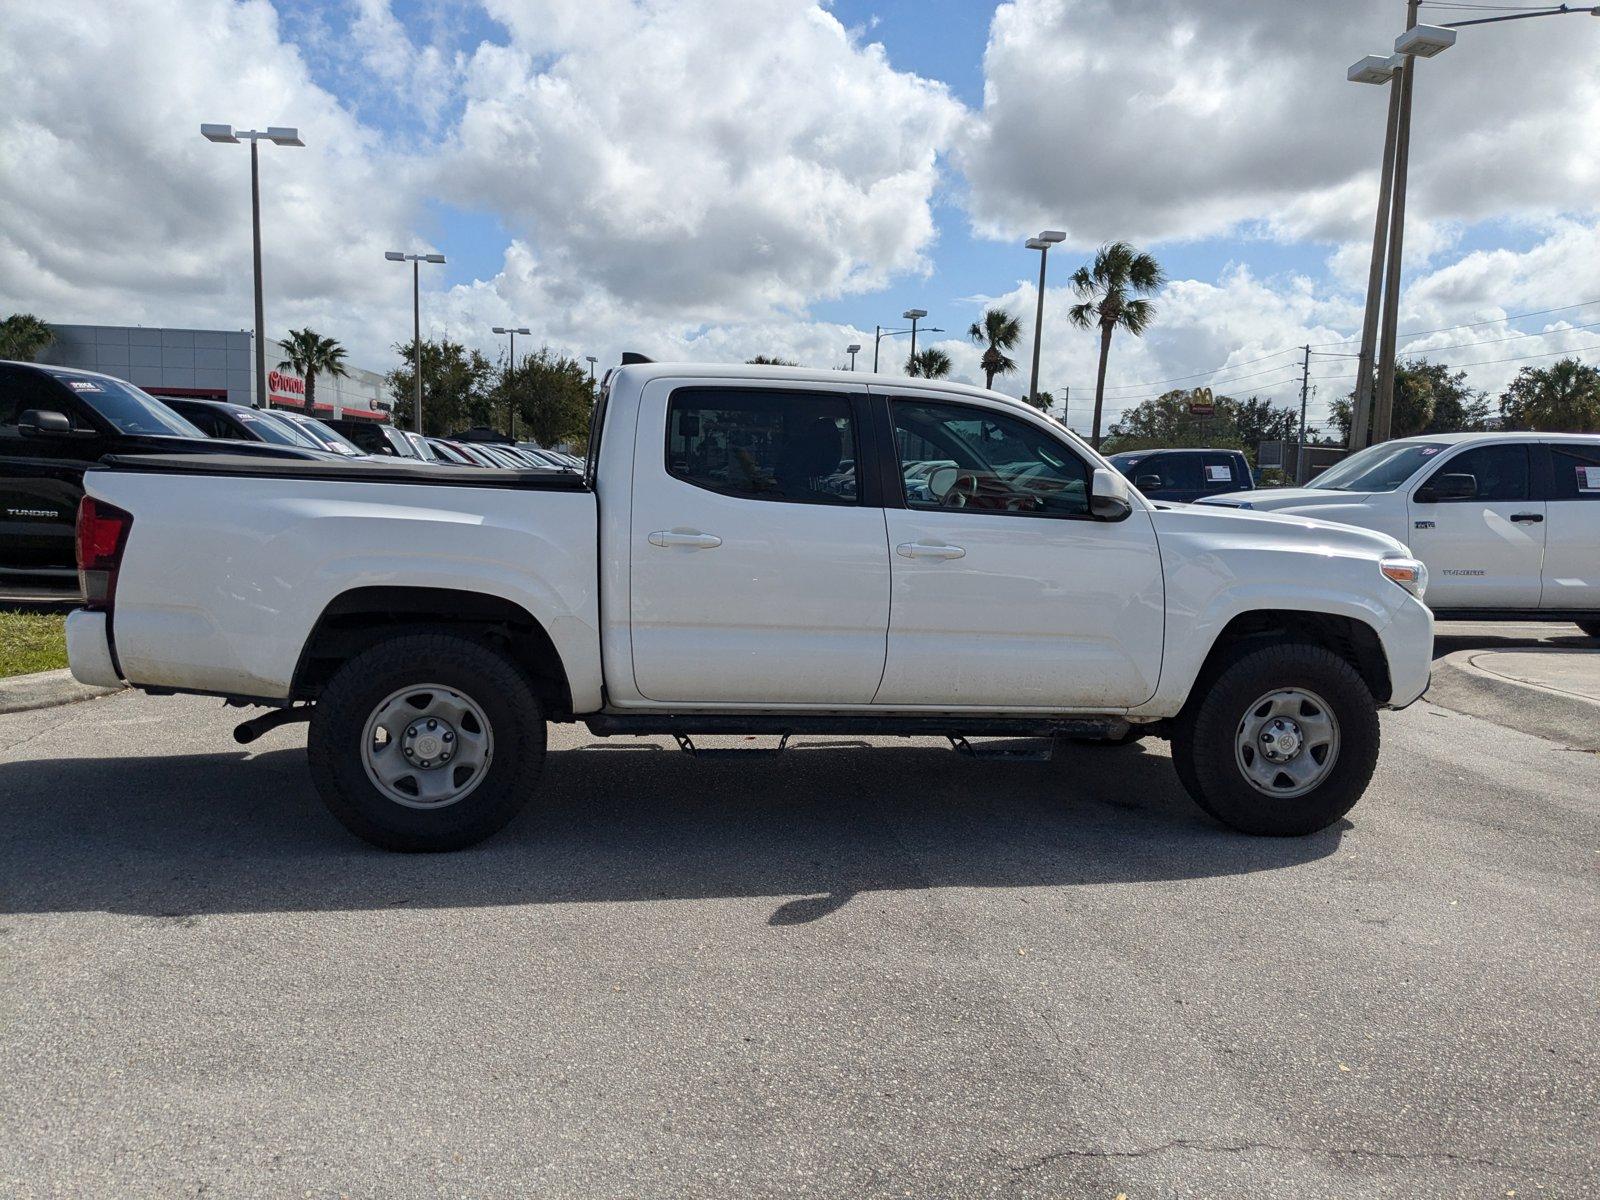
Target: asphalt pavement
830,973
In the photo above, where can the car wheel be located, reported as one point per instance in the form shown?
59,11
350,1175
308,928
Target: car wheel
1283,742
1592,628
426,742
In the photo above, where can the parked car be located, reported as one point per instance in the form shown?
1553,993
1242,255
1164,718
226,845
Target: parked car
419,446
1185,475
220,419
448,452
374,437
702,581
1507,523
55,423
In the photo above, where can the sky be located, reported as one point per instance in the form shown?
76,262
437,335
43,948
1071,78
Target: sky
713,179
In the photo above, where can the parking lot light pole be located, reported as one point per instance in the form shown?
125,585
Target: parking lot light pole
416,322
511,365
591,360
1042,244
914,315
852,351
879,333
278,136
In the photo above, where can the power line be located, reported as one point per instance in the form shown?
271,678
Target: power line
1198,374
1470,324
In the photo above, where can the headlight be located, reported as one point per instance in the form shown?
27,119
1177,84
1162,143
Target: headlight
1409,573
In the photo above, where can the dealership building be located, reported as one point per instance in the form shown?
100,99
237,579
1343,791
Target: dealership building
211,364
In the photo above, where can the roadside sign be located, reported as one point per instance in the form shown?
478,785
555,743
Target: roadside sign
1201,403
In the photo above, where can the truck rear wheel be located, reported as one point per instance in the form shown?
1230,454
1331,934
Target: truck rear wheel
1282,743
426,742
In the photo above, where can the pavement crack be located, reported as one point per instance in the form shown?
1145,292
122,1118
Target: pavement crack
1246,1147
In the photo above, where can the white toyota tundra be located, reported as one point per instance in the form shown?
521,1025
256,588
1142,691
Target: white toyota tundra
742,554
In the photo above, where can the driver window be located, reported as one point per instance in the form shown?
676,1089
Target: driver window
1501,472
955,457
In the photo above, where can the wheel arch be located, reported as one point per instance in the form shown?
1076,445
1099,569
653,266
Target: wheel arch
1350,638
361,617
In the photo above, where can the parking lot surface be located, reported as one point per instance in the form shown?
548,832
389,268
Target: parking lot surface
832,973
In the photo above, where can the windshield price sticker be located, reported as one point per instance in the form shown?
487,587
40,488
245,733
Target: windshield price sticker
84,385
1432,449
1589,479
1222,474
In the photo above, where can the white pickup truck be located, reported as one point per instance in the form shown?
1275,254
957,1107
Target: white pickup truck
742,555
1508,524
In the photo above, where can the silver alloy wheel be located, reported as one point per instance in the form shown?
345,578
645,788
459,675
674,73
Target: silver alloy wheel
1287,743
427,746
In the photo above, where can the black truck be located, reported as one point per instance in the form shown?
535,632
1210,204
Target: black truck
55,422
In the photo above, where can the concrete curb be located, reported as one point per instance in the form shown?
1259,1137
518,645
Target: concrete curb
1551,713
45,689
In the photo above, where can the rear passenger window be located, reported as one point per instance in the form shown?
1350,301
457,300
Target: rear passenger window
1222,473
1501,471
764,445
1577,471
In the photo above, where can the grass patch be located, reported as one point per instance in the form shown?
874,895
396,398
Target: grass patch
31,641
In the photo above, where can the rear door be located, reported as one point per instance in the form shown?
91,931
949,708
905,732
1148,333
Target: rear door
41,477
1007,593
1221,472
759,563
1571,491
1486,551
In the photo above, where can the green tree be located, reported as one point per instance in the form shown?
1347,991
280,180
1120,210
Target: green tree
1562,398
1256,420
23,336
457,387
931,363
767,360
1046,401
1427,399
1234,424
998,332
550,394
1110,291
307,352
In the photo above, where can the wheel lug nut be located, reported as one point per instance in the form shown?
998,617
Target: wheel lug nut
449,737
432,724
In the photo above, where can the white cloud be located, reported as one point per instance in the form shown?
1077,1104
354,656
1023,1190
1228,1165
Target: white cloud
1170,120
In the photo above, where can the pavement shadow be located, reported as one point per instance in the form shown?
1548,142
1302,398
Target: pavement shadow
1447,640
232,832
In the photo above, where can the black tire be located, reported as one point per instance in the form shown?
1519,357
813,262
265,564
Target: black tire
1592,628
1203,741
492,682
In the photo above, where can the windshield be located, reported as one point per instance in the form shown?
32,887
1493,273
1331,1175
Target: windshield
127,408
1380,468
270,429
326,438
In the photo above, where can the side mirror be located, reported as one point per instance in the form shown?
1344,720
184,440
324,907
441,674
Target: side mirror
1109,499
36,422
940,481
1147,483
1449,487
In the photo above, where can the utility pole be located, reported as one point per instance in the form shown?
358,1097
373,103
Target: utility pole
1305,387
1366,368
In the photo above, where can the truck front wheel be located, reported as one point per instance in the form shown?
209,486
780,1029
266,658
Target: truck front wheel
1282,743
426,742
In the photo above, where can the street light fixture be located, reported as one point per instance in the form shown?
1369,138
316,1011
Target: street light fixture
511,365
879,333
852,351
278,135
591,360
416,322
1424,41
1042,244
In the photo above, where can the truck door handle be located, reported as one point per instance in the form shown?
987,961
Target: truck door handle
928,550
1527,518
685,537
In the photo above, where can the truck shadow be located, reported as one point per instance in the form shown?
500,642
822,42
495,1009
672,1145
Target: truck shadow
182,836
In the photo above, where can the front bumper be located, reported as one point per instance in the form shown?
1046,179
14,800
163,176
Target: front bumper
1408,645
89,649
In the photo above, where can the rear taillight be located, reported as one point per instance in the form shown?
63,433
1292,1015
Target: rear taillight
102,534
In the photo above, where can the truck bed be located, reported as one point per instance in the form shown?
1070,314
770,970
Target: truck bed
390,470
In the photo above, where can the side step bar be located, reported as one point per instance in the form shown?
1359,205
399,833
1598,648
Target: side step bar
957,730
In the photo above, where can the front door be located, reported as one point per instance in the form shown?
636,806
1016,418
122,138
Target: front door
1486,550
759,566
1572,526
1007,593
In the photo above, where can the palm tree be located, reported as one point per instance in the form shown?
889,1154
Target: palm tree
309,352
931,363
1106,288
22,336
768,360
1001,331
